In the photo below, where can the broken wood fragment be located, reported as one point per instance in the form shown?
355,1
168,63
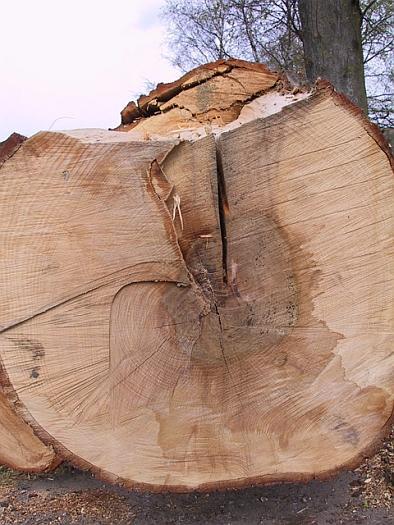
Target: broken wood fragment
9,146
212,93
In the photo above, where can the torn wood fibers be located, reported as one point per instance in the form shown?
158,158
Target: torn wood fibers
203,297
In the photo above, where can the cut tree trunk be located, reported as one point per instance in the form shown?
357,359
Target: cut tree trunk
20,448
209,305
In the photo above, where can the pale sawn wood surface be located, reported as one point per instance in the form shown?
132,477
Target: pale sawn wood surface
20,448
252,345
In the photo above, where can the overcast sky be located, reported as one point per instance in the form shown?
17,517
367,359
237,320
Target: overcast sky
68,64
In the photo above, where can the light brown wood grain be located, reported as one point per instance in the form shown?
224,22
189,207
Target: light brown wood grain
20,448
211,313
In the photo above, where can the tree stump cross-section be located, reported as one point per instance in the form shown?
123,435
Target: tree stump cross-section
212,313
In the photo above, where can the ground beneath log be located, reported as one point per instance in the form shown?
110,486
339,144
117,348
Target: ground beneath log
68,496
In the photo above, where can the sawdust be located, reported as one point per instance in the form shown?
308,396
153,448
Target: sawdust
78,507
376,482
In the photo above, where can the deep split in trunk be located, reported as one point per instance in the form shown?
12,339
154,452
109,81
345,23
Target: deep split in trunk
206,292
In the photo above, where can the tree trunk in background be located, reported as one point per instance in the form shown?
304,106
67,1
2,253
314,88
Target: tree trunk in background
332,45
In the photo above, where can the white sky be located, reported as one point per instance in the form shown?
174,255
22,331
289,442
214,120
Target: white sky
82,59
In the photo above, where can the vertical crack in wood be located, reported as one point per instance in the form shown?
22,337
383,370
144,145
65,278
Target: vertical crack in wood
223,209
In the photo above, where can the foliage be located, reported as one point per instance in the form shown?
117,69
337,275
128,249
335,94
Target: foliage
269,31
378,45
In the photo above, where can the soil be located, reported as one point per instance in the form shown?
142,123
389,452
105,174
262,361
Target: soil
68,496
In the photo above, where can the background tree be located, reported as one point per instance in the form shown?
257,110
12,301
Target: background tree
269,31
258,30
378,46
331,35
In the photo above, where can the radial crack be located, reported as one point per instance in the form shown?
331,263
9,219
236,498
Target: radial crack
223,208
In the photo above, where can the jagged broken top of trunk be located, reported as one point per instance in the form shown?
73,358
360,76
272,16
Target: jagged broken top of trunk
203,313
210,96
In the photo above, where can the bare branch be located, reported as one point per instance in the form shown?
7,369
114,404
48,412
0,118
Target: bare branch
367,8
268,31
377,53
